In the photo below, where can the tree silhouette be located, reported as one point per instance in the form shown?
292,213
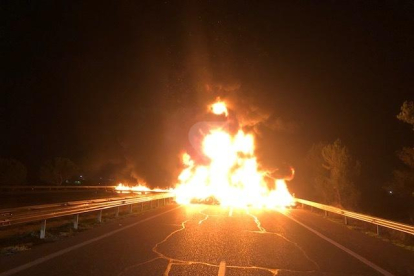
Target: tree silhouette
403,179
333,173
12,172
58,170
407,113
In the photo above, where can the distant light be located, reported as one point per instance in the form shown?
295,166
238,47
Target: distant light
80,176
390,192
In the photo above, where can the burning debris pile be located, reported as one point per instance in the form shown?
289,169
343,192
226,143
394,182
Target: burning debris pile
229,171
141,189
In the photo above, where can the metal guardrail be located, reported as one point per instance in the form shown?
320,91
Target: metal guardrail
406,228
54,188
42,213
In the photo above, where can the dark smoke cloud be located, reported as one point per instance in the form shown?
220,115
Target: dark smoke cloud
251,113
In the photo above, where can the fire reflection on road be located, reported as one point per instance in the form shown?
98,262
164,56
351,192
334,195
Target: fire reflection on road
198,221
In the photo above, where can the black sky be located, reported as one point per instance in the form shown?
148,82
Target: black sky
116,87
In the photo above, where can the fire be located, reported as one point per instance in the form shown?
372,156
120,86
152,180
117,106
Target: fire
123,188
232,174
139,189
219,108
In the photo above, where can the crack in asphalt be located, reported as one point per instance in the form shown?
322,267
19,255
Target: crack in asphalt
205,218
262,230
168,268
172,261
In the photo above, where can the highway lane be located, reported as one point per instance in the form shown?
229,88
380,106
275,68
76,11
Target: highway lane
193,240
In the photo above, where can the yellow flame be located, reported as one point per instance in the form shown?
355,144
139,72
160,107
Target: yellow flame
139,188
232,175
219,108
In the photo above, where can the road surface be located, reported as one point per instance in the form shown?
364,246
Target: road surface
195,240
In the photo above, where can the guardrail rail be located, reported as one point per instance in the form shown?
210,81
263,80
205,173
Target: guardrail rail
42,213
54,188
379,222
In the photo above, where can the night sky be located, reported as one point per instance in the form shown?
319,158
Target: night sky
116,87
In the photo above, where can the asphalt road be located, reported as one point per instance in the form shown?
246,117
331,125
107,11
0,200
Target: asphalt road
194,240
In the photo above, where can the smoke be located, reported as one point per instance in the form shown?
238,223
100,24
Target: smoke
275,146
144,144
251,112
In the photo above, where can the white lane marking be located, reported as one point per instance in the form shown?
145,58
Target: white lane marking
222,269
66,250
349,251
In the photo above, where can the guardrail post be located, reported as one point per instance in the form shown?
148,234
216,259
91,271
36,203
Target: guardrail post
346,220
142,207
117,212
43,229
99,216
130,208
158,203
163,203
76,221
378,230
311,208
326,213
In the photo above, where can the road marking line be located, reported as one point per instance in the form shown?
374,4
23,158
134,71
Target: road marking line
349,251
66,250
222,269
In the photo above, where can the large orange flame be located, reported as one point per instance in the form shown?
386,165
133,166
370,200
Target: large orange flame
232,175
